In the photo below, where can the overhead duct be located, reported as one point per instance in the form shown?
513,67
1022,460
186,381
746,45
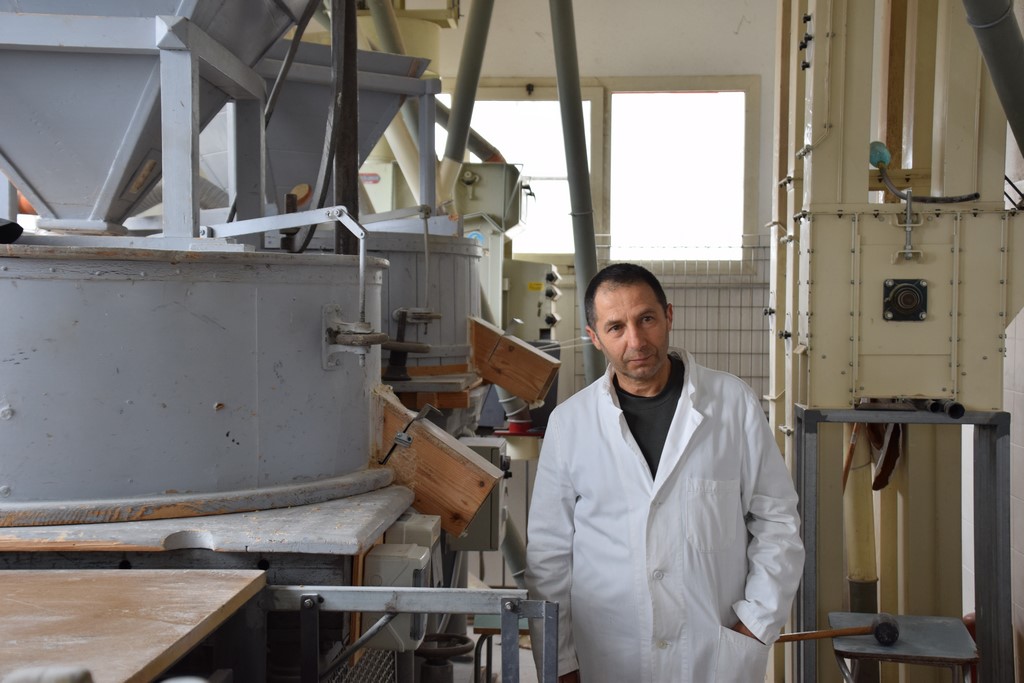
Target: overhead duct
1002,46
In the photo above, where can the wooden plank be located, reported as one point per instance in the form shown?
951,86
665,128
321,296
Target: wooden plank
442,400
510,362
435,383
123,626
895,86
346,526
430,370
446,477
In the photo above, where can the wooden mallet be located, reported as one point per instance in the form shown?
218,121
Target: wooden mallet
883,627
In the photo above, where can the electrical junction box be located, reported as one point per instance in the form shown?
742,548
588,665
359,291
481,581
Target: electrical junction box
529,306
489,190
422,530
401,565
486,530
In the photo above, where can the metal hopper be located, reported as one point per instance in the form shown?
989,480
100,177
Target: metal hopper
296,131
81,135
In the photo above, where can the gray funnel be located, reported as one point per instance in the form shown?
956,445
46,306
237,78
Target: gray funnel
81,133
295,136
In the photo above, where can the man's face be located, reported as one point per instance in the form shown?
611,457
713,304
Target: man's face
631,330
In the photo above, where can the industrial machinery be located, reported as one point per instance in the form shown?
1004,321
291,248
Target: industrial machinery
181,391
894,276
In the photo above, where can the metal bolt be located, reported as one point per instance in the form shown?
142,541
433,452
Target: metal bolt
508,606
888,283
307,603
5,491
924,283
922,315
888,315
6,413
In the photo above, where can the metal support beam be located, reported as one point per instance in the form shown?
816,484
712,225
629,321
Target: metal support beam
510,604
991,523
179,120
309,637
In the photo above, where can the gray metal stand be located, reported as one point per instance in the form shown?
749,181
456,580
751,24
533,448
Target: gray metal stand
991,527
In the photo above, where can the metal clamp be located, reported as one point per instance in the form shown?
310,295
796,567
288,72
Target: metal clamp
404,439
341,337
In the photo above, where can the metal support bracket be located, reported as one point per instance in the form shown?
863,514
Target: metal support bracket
991,523
402,438
309,636
341,337
510,604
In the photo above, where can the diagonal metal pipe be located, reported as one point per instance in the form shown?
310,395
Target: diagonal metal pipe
570,100
1002,46
467,80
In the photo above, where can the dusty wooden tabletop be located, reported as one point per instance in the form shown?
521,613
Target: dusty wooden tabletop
122,625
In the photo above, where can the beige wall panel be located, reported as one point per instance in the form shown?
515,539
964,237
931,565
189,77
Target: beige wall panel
982,312
827,318
906,376
838,101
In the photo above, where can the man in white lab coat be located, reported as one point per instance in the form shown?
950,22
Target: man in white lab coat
663,519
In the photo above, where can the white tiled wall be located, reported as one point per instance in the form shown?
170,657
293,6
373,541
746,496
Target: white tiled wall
719,313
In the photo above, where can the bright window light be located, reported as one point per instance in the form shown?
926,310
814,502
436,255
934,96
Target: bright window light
677,175
528,133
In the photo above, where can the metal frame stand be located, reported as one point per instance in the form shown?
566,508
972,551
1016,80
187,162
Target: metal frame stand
510,604
991,524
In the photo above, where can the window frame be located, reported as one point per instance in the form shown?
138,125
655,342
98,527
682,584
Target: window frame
599,91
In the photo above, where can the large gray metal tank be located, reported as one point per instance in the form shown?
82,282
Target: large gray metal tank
191,380
440,274
81,81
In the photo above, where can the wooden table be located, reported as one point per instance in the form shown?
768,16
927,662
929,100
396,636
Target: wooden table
122,625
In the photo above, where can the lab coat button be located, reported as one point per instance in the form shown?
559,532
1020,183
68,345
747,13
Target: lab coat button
662,645
658,574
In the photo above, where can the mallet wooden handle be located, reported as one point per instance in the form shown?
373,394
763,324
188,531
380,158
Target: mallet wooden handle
883,627
827,633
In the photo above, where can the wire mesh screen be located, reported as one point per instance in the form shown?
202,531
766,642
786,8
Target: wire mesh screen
375,666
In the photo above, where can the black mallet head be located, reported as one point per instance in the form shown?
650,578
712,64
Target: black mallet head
885,629
9,231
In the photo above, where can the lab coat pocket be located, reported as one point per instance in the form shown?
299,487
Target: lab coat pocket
741,659
712,509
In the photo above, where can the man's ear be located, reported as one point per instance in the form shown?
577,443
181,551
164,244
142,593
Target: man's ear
668,314
594,338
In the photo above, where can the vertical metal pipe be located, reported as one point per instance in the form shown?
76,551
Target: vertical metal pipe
470,64
346,157
995,26
570,99
428,162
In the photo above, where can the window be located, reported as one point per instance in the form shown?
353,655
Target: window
680,179
526,127
677,175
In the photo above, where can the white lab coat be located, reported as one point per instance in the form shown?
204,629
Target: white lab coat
649,574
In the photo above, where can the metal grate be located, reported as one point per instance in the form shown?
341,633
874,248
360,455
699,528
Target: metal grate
373,667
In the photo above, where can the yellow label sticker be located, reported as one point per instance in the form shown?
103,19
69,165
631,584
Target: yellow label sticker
535,286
